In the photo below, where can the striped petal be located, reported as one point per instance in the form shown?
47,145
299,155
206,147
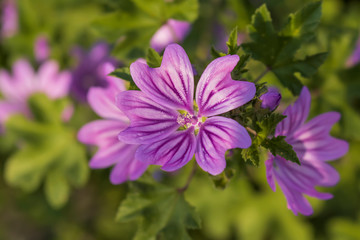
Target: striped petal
172,84
313,141
149,121
295,181
172,152
101,132
296,115
217,135
217,93
127,169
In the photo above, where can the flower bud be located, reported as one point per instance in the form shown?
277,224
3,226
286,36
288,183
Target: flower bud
271,99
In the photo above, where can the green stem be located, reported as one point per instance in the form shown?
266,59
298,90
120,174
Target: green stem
192,174
262,74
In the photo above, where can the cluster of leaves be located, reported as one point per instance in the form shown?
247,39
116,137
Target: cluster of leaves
133,25
48,151
277,49
162,212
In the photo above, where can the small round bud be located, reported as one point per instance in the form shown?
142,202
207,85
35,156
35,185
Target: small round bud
270,99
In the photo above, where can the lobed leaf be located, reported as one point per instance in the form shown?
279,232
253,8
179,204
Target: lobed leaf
277,49
162,211
278,146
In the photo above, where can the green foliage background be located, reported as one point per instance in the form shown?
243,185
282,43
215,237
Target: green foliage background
246,208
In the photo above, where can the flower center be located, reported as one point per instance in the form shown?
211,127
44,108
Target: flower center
186,120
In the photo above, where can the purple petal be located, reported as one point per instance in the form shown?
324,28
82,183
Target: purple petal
295,181
24,74
317,127
355,56
149,121
269,173
115,153
172,152
7,109
302,178
216,135
61,85
171,85
105,104
296,115
103,99
51,82
171,32
325,150
127,169
296,202
101,132
314,142
217,93
8,87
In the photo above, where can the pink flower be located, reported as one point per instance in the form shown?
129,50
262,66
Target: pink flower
103,133
173,31
313,146
162,116
17,88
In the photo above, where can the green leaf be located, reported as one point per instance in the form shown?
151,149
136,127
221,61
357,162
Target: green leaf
161,210
49,151
232,43
221,181
153,59
268,124
57,189
119,23
122,73
277,49
27,130
132,28
75,165
215,53
239,69
27,167
46,111
185,10
306,67
19,172
252,154
304,22
279,147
